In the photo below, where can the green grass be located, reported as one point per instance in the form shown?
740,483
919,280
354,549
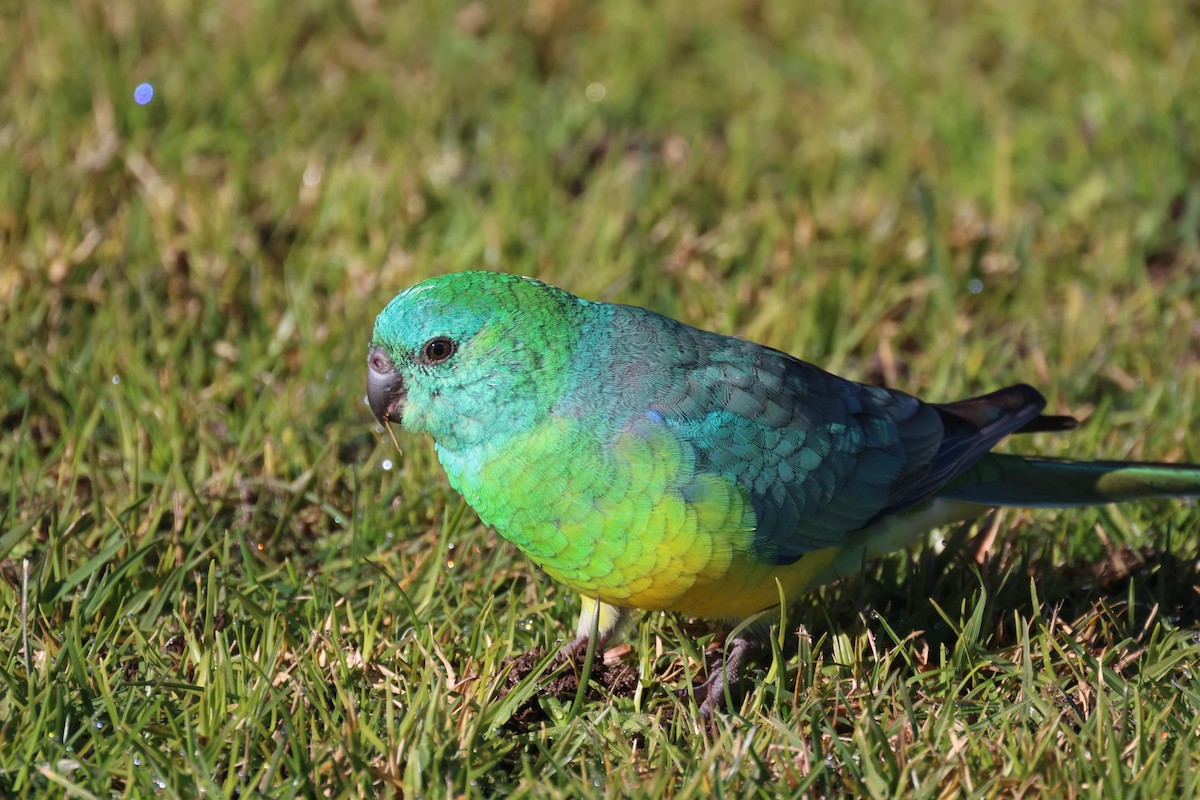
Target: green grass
218,576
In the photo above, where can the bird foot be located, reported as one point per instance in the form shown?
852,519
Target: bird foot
710,695
576,649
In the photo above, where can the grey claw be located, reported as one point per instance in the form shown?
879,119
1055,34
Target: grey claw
711,694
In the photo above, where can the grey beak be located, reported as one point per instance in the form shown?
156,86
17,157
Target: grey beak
385,387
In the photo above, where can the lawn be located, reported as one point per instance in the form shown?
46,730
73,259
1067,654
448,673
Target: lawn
219,576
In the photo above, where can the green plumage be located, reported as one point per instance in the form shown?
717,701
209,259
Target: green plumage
1061,483
648,464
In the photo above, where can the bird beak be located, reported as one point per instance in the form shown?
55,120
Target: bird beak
385,387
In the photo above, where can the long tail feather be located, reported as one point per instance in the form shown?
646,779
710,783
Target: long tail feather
1008,480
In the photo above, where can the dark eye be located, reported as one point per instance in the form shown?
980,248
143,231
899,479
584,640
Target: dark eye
437,350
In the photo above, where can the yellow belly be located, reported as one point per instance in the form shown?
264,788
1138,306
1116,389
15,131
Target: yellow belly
742,587
745,589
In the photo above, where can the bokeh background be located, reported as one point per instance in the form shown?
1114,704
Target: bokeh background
218,575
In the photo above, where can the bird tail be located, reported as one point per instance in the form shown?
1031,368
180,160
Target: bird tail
1008,480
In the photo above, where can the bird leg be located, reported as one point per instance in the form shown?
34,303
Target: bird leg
595,616
745,646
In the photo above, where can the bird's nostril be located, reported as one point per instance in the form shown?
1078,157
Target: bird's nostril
379,362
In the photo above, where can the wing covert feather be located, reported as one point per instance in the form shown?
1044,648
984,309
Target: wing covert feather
818,456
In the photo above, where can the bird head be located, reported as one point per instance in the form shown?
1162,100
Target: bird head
471,355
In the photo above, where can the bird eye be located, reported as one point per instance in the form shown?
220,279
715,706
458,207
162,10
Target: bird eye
437,350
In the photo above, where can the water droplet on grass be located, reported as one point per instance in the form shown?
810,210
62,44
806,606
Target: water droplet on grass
116,379
143,94
387,464
975,286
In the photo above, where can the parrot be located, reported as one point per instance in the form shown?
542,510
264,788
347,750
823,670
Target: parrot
647,464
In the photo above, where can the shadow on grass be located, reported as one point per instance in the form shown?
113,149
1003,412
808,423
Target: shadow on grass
1132,588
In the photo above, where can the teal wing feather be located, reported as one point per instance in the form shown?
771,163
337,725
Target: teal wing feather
819,456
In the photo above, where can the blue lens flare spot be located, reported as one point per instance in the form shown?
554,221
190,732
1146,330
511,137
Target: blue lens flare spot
143,94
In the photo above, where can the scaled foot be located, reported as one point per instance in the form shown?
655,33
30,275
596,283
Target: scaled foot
740,652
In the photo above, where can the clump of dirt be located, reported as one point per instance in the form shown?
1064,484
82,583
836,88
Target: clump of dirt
610,678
